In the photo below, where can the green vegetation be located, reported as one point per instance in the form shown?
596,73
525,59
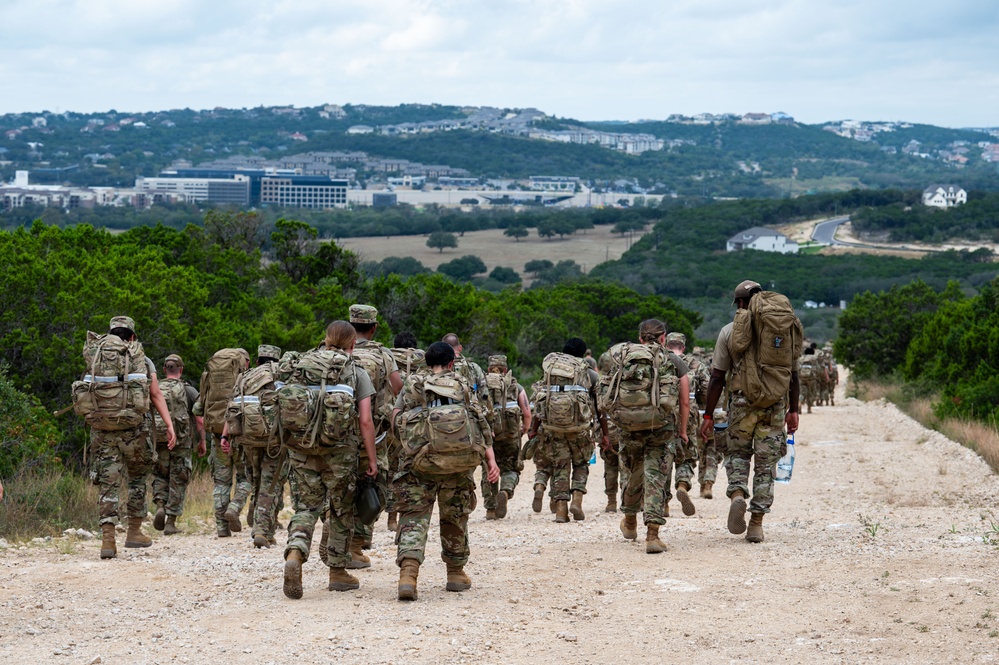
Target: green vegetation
978,219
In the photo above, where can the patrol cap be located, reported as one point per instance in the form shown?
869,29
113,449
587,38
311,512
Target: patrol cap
122,322
746,288
175,359
676,337
497,361
363,314
268,351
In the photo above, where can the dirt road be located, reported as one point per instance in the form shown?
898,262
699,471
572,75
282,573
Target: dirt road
877,551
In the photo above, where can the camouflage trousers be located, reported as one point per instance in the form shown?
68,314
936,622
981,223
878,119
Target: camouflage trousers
323,483
543,465
685,458
755,436
649,457
171,474
570,455
227,467
365,530
708,459
507,453
455,495
267,474
615,473
124,452
809,392
393,449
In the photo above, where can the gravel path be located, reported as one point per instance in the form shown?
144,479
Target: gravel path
879,550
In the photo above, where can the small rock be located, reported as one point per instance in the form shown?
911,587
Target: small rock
417,631
569,637
31,630
96,661
4,544
513,601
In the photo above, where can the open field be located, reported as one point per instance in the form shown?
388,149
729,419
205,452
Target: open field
882,549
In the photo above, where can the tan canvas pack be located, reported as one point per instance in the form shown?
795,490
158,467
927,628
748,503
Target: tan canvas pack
114,391
217,383
504,392
252,409
775,339
175,393
409,360
316,404
374,358
563,395
642,390
442,435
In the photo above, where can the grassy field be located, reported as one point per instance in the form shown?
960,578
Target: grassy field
595,246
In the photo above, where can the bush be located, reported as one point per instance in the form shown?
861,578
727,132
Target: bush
28,434
44,502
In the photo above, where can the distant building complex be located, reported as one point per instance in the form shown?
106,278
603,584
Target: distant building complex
762,239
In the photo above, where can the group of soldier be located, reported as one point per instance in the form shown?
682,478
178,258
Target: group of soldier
819,376
386,386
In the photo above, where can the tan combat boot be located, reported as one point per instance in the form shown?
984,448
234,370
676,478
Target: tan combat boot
490,514
134,537
552,505
755,532
501,501
685,503
393,522
576,507
409,570
629,527
561,512
539,496
293,574
232,519
706,489
260,540
457,580
358,559
323,539
341,580
108,549
737,513
652,543
611,506
170,528
160,518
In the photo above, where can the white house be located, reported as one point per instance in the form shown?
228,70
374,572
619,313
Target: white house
762,239
944,196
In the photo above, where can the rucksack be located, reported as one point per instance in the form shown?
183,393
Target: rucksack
769,337
642,391
372,357
114,391
504,392
409,360
217,382
175,393
252,409
316,404
442,434
563,394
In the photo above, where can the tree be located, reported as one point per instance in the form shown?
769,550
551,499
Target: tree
440,239
294,244
464,268
538,265
233,229
546,229
504,275
516,232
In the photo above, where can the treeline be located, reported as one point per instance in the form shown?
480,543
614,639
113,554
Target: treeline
940,341
207,287
978,219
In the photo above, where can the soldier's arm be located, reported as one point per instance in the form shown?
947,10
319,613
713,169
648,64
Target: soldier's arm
493,472
525,411
684,406
791,419
715,387
367,424
395,381
156,397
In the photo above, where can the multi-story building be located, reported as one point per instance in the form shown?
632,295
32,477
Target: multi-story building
303,192
233,191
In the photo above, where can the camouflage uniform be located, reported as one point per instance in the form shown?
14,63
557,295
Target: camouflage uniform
570,453
712,451
808,380
416,494
506,447
408,361
267,475
327,482
615,473
227,466
129,451
172,470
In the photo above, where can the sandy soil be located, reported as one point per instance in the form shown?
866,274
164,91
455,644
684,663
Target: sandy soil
877,551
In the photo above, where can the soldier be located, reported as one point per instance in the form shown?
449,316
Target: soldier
418,486
469,369
565,430
324,477
754,434
128,449
808,378
615,473
172,470
511,420
652,436
697,378
409,359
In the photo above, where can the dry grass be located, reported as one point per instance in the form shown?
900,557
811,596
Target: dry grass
981,437
44,503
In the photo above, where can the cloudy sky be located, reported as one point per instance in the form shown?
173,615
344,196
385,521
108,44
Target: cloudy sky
935,63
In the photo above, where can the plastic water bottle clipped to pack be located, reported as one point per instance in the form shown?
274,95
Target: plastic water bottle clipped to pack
785,465
593,457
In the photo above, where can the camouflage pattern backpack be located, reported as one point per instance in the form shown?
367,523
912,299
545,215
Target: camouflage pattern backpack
375,359
252,408
642,391
217,382
443,433
504,392
175,393
316,404
769,337
562,397
114,391
409,360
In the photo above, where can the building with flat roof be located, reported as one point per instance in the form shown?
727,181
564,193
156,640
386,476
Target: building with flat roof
233,190
315,192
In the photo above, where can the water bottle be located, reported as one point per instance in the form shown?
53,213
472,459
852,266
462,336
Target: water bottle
593,457
785,465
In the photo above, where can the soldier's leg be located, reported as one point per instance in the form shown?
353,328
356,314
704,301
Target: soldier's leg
339,472
139,455
739,436
268,469
456,499
161,475
415,504
365,530
580,451
251,463
489,490
507,453
612,470
180,476
632,458
308,497
222,478
768,443
243,485
106,472
561,460
657,460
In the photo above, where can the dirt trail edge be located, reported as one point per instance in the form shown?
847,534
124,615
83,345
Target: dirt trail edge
882,548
